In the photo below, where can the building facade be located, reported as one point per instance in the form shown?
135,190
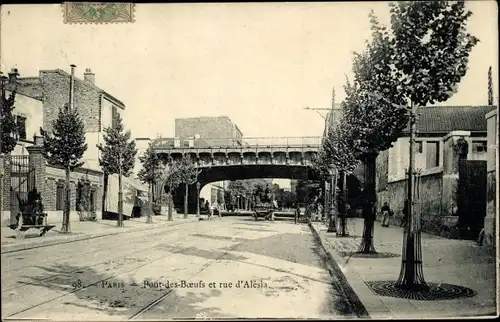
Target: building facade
445,135
213,131
38,100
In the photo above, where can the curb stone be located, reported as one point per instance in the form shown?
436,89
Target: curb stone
69,239
346,288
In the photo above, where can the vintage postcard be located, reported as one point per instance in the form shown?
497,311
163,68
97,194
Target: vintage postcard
209,161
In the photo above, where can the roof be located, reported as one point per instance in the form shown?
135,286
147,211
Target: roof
27,86
444,119
84,83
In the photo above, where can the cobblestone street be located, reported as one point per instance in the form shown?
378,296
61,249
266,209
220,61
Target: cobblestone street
229,267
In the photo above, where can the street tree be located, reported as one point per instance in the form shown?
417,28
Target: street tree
188,175
431,49
247,188
375,115
64,146
117,157
169,180
338,153
8,123
150,174
8,130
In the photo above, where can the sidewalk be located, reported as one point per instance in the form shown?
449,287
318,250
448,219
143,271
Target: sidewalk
458,262
81,230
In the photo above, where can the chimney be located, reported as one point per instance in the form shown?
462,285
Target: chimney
88,76
13,75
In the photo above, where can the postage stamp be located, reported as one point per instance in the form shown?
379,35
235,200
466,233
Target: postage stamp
98,12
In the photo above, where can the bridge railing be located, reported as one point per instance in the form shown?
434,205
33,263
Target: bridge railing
310,141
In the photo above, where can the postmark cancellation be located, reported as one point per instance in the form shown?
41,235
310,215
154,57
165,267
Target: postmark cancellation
98,12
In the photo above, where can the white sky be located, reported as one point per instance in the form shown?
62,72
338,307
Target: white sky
259,64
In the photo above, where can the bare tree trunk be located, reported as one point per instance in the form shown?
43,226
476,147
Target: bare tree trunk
343,209
104,193
170,217
149,219
66,228
411,275
120,201
332,226
369,204
186,201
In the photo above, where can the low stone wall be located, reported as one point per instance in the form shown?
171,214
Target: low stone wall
54,177
428,204
491,206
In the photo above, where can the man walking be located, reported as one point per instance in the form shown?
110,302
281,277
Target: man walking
386,214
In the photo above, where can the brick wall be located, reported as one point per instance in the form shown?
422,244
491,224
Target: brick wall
7,183
55,176
207,127
56,88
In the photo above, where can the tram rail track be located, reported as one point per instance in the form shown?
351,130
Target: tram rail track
136,267
14,256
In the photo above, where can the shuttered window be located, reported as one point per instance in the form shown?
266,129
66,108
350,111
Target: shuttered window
60,197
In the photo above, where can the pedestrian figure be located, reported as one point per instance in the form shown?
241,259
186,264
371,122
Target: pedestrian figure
297,214
405,214
210,208
386,214
216,209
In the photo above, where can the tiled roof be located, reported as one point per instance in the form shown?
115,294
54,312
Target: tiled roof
27,86
444,119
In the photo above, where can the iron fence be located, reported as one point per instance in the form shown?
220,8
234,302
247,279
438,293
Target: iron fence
22,180
245,142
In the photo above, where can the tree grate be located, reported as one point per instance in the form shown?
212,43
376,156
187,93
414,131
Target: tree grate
369,255
435,292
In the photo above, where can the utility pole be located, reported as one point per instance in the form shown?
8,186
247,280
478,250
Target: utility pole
329,122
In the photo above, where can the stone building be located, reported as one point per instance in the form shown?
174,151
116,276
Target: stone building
443,182
38,100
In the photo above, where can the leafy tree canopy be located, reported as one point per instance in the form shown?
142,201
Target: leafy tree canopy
118,149
186,170
8,122
65,144
431,48
151,166
169,176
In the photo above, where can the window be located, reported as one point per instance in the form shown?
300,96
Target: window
60,196
479,146
114,115
419,145
432,157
